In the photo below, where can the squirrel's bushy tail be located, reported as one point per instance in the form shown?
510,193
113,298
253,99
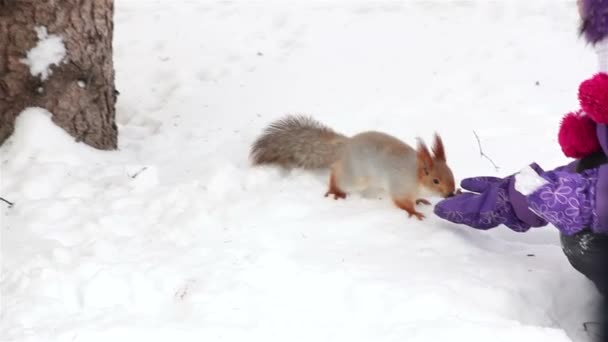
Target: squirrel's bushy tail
297,141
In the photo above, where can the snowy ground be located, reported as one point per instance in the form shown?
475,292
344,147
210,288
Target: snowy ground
175,236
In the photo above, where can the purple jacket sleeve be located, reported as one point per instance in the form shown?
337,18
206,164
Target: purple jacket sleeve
571,201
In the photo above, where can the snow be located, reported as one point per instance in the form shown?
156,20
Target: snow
49,50
176,236
527,181
602,54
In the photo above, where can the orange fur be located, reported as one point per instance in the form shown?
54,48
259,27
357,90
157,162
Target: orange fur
425,160
409,206
433,170
333,184
423,201
438,149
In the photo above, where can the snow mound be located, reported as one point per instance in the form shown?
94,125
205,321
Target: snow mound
37,138
41,160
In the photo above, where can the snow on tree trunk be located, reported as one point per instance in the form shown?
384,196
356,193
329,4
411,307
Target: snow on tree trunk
58,55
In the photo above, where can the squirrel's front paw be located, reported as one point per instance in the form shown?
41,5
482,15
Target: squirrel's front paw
423,201
337,194
409,206
419,216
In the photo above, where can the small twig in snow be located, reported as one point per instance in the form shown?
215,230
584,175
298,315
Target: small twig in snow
138,172
483,154
10,204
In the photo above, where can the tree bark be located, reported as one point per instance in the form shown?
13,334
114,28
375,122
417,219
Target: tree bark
79,91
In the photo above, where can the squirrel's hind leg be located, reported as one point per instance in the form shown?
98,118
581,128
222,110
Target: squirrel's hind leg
334,182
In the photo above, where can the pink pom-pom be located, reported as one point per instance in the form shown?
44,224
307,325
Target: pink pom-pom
577,135
593,97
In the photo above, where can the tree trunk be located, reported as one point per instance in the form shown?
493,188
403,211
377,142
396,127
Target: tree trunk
79,90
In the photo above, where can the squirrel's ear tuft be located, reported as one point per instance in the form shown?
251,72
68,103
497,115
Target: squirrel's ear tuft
438,149
424,156
577,135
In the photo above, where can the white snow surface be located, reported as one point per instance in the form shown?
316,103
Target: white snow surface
175,236
49,51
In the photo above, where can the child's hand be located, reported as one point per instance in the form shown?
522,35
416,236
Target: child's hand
492,201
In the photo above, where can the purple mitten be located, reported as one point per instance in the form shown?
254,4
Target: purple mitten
497,202
573,201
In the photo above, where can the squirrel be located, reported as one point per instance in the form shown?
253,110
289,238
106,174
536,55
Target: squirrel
368,160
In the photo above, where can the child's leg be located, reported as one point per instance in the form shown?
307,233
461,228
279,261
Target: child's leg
588,254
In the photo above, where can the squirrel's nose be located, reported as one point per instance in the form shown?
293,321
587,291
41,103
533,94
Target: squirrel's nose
454,193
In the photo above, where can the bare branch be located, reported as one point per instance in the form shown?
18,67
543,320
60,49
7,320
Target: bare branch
10,204
483,154
138,172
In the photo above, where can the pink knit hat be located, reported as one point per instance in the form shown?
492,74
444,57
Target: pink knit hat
584,132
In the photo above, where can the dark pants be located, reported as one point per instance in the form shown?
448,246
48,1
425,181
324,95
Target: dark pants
587,252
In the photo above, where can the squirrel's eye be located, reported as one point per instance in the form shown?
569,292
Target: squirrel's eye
436,181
